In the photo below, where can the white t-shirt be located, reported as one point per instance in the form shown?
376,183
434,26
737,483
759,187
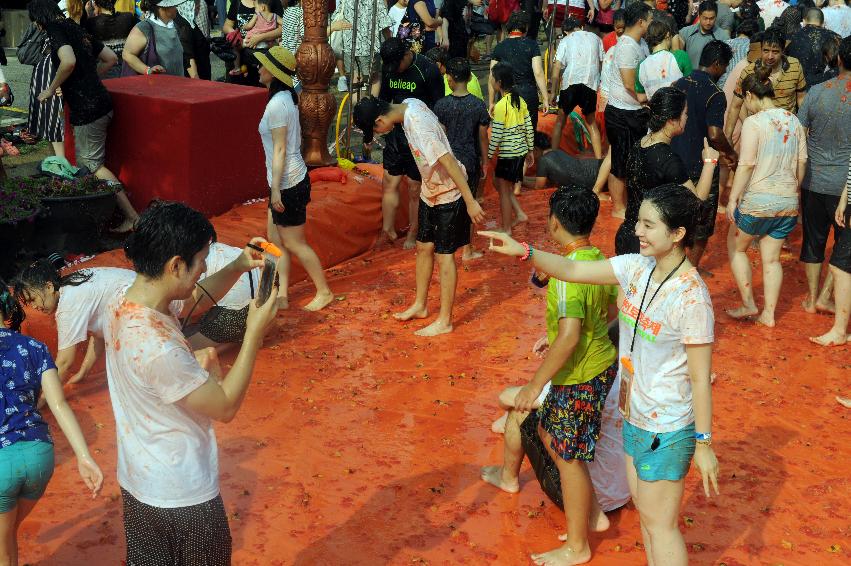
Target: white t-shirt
627,54
280,112
770,9
240,294
838,19
167,455
657,71
580,53
396,14
429,143
81,308
680,314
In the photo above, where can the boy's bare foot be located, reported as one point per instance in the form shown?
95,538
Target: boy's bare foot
517,190
414,311
470,254
320,301
831,338
844,401
410,243
494,476
385,239
521,218
498,425
598,523
814,307
283,303
436,328
766,320
563,556
742,312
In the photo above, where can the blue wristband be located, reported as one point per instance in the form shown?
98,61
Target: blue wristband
703,436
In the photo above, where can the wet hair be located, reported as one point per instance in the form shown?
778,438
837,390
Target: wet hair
106,5
618,16
438,55
666,18
392,52
830,52
570,24
518,21
716,51
756,37
707,6
10,308
748,10
678,207
748,28
42,12
459,69
33,278
758,83
657,32
635,12
774,36
814,15
845,53
542,140
667,103
789,21
575,208
278,85
163,231
504,75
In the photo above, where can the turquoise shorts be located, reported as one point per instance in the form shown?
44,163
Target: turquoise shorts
25,470
659,456
777,227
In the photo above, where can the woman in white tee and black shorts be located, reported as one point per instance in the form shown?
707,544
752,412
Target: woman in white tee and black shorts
286,174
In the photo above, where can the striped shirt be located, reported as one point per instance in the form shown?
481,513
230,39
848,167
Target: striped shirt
787,82
512,133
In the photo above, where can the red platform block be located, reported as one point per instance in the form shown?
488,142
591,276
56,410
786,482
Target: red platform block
185,140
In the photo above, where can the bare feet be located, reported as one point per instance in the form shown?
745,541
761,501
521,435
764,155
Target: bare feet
414,311
517,189
766,320
283,303
436,328
385,239
814,307
844,401
410,243
563,556
494,476
742,312
521,218
705,273
498,425
320,301
598,523
831,338
470,254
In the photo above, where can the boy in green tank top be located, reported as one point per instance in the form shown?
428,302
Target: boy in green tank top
581,364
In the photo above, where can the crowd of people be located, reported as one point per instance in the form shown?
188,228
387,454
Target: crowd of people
737,108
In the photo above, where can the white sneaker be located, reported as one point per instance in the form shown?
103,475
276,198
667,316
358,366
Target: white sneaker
343,84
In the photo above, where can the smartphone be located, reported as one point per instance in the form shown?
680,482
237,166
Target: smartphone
267,280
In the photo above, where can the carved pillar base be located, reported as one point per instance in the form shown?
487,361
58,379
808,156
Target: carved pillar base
315,65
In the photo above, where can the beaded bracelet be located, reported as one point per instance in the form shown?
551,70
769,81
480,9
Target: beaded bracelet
529,251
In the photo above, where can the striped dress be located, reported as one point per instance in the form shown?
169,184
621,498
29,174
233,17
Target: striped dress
46,121
512,133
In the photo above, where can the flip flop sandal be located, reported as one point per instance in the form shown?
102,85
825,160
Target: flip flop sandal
25,136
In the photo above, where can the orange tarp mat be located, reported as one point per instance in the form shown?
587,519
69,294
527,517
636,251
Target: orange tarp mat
360,444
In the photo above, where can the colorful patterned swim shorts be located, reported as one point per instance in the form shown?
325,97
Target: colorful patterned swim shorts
571,415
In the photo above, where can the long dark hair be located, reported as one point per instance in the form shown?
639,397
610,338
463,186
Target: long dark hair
667,103
277,86
504,75
758,83
678,207
43,271
10,308
42,12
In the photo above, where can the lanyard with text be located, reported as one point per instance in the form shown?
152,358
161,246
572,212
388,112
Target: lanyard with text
628,370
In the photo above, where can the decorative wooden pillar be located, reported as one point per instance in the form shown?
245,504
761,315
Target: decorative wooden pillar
315,64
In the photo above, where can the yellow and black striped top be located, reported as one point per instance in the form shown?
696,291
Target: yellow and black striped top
787,83
511,129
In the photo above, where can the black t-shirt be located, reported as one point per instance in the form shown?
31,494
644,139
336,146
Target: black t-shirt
562,169
518,52
706,105
111,27
647,168
83,91
806,46
240,13
421,80
462,116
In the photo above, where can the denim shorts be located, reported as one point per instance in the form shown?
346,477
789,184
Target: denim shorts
659,456
25,470
777,227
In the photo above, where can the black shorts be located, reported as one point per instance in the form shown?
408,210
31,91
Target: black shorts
818,212
509,168
706,227
447,226
623,129
398,159
529,93
841,256
474,177
295,201
578,95
194,535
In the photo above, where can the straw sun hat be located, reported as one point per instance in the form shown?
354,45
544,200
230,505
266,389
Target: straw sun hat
280,62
